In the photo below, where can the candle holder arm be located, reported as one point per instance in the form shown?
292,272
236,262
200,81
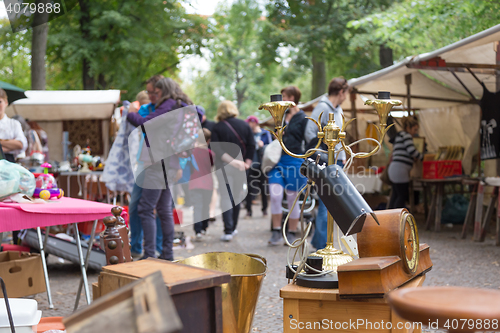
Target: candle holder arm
279,137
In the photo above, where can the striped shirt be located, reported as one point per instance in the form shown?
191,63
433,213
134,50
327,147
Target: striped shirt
404,150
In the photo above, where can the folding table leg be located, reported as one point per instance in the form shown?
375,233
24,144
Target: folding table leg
82,263
87,258
479,211
44,265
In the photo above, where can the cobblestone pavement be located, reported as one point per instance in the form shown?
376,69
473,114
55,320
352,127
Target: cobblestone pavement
456,262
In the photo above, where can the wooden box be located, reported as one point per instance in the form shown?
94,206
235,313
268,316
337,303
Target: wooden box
195,292
143,306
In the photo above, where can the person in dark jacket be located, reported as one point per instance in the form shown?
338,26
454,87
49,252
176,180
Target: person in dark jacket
256,179
170,97
231,137
286,176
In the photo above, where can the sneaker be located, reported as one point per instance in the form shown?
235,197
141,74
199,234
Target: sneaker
264,213
291,238
226,237
136,256
198,237
235,232
203,232
276,238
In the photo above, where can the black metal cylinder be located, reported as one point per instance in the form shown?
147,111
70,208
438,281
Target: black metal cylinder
276,98
384,95
340,196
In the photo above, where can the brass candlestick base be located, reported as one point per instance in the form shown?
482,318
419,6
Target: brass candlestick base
332,258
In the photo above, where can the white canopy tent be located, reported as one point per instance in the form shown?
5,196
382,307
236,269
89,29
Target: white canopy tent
58,105
49,108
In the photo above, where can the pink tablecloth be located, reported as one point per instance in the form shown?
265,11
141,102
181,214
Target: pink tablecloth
63,211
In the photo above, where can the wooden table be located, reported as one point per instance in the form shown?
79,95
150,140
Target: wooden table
482,225
321,310
433,215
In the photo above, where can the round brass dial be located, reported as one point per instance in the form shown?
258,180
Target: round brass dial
409,243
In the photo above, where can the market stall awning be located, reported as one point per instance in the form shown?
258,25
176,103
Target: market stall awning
442,78
56,105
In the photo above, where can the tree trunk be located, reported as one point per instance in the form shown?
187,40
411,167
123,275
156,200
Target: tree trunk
385,55
39,48
88,80
102,84
318,76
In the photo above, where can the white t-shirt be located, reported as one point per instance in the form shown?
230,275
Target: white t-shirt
10,129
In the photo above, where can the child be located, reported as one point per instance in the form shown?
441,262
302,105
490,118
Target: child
201,184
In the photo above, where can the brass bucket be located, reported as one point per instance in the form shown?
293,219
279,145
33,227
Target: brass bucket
240,295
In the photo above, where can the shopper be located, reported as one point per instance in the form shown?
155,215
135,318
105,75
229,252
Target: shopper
231,137
338,89
256,179
285,177
404,155
201,184
136,234
170,97
12,137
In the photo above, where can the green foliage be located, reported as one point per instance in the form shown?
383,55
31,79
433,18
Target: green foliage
124,42
308,27
15,55
416,26
237,71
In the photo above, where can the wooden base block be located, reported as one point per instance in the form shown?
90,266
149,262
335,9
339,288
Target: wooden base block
322,310
375,276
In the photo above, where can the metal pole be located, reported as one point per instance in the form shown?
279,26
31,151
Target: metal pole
408,93
82,263
87,259
44,265
354,114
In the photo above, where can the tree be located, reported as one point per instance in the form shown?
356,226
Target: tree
234,48
316,29
121,43
413,27
237,70
39,47
14,56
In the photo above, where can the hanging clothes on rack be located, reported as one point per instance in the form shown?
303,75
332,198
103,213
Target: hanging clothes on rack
118,174
490,124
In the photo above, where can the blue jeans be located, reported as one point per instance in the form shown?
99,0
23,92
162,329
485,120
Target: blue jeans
162,201
321,224
136,233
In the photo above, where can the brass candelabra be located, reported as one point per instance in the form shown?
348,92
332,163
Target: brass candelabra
331,134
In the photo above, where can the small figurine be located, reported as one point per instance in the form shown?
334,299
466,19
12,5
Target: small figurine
86,159
46,185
